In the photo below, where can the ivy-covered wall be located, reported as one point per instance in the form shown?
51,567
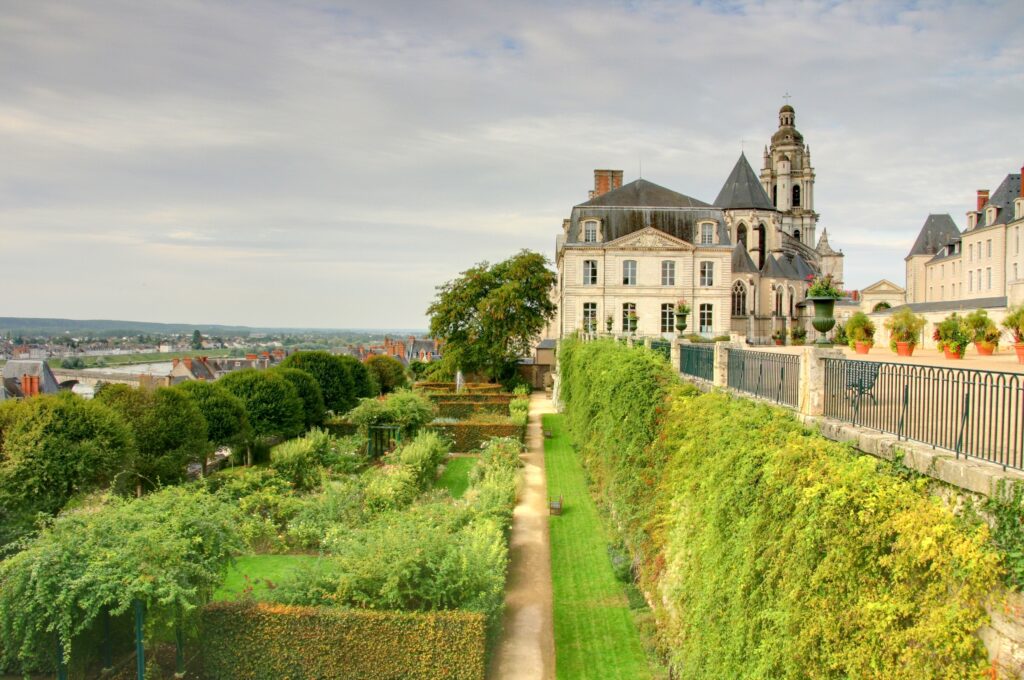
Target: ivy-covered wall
767,550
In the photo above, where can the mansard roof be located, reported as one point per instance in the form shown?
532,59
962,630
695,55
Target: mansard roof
1002,198
938,230
743,190
741,262
643,194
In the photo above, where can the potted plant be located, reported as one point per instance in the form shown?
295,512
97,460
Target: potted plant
952,335
779,337
904,329
861,331
682,310
632,319
798,335
823,293
1014,322
984,332
608,323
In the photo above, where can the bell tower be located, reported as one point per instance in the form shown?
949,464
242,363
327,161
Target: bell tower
788,178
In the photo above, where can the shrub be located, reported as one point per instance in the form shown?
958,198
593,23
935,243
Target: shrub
422,456
408,409
247,641
309,392
472,434
340,503
390,488
296,461
388,372
904,326
226,421
1014,322
335,377
860,329
271,402
952,334
983,329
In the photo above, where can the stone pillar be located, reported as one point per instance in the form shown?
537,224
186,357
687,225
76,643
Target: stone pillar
673,356
812,379
647,342
721,372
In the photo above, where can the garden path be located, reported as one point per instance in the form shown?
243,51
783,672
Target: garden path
526,648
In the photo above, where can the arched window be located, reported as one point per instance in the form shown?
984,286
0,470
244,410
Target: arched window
760,246
590,231
778,300
741,235
792,303
739,299
775,195
796,234
796,195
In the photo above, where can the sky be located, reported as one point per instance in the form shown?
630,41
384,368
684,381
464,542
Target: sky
298,163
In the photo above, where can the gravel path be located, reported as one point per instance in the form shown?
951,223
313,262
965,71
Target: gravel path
527,646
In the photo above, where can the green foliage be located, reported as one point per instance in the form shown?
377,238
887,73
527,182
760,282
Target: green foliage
72,362
388,371
983,329
409,409
455,478
1014,322
168,549
522,390
904,326
309,392
953,334
1006,508
363,383
798,334
266,501
52,448
469,435
770,551
881,306
170,431
271,402
860,329
340,504
417,368
824,286
246,641
296,461
226,421
422,456
391,488
839,334
334,376
490,315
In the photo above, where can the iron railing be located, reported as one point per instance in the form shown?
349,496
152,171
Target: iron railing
768,375
697,361
662,347
970,412
382,439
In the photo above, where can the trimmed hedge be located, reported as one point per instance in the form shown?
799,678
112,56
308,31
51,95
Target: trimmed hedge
767,550
469,435
472,388
467,409
502,397
341,428
259,641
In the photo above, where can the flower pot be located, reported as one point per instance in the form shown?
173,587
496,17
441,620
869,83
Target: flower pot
1019,349
950,354
904,349
862,347
680,322
778,341
824,319
985,349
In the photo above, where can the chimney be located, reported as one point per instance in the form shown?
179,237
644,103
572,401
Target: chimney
250,357
188,362
174,362
26,385
982,198
605,181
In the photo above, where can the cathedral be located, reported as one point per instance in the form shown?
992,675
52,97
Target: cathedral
632,252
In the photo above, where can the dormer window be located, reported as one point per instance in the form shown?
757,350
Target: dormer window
990,215
972,220
707,233
590,231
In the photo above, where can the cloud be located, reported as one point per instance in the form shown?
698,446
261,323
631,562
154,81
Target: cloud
301,159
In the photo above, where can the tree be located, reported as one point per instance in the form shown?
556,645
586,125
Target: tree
271,402
388,371
309,392
363,383
226,421
331,373
490,315
197,339
52,448
170,431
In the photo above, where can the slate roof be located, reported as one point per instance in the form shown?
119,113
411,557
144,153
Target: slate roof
643,194
952,305
547,343
1002,198
8,389
787,266
14,369
742,189
938,230
741,262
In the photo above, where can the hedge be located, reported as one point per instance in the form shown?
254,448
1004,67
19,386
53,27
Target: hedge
341,428
473,388
466,409
501,397
469,435
767,550
259,641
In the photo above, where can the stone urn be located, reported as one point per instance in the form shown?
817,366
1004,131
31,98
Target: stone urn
824,317
681,322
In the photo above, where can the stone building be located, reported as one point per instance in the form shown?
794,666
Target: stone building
742,263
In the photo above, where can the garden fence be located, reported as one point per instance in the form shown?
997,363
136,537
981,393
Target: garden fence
768,375
697,361
662,347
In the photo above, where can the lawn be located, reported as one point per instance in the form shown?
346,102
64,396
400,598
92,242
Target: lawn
595,631
260,573
455,477
143,358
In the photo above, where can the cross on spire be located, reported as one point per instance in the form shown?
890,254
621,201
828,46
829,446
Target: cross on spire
787,96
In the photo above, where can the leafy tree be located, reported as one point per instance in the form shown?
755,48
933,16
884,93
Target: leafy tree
417,368
170,431
389,372
309,392
271,402
490,316
51,448
363,383
72,362
226,421
197,339
331,373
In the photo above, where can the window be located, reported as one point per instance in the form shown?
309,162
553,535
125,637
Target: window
970,282
668,317
988,277
796,234
1016,242
705,319
792,304
778,301
707,234
796,195
668,273
979,280
590,316
1014,271
589,272
942,292
707,273
970,252
629,273
741,235
590,231
739,299
629,310
988,248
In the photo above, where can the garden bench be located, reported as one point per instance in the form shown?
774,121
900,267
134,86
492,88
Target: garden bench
555,506
860,380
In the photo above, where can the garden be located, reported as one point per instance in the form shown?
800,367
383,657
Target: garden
309,556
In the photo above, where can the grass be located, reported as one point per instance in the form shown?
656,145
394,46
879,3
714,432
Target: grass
149,357
455,477
595,632
259,573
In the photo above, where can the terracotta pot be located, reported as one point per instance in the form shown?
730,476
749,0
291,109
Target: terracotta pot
905,349
1019,348
984,348
862,347
950,354
778,342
